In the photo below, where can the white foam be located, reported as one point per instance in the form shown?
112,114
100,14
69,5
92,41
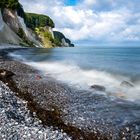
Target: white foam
74,75
19,57
8,46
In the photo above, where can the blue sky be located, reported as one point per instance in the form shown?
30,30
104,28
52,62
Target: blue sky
92,21
71,2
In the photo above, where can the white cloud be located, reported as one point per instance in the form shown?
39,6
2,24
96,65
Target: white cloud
80,23
89,3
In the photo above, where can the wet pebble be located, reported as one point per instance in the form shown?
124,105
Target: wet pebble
12,110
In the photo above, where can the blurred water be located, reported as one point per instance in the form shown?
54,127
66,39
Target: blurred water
86,66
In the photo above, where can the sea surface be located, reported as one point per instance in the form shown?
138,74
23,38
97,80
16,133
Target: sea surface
83,67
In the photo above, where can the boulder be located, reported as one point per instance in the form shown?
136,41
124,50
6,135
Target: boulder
126,84
5,74
98,87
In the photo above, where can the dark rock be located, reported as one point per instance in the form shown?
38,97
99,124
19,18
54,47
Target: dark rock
126,84
5,74
98,87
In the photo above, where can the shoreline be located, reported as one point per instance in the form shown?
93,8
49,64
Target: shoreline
49,117
46,97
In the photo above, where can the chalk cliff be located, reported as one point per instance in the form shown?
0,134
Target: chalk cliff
28,29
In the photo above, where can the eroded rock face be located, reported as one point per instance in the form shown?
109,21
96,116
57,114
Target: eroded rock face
126,84
14,30
7,36
98,87
11,19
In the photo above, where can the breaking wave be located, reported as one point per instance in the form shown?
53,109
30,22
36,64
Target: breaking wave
74,75
84,79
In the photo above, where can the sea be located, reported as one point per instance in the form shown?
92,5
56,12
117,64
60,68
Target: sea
117,69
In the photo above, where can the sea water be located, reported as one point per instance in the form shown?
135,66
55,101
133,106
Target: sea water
113,112
83,67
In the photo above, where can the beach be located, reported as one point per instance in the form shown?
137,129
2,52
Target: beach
26,85
57,105
18,118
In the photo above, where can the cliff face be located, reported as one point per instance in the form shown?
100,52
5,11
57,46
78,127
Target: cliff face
20,28
11,19
42,27
61,40
17,25
7,36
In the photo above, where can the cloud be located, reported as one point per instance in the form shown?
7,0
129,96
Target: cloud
89,3
92,20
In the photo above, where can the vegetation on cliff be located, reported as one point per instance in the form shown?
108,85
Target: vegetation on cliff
45,37
58,36
37,20
11,4
39,25
32,20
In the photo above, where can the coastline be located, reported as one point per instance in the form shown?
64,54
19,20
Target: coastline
25,81
47,98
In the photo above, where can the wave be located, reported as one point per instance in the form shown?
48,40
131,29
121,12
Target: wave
84,79
72,74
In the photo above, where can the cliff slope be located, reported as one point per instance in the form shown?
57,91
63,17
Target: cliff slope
7,36
29,29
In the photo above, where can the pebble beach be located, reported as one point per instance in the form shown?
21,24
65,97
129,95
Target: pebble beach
16,122
35,106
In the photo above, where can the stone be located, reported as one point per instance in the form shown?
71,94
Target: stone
126,84
11,128
38,77
98,87
5,74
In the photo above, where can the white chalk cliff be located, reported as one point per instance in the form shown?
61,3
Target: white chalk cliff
14,30
6,34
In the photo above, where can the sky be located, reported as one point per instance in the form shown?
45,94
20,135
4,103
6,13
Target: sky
88,22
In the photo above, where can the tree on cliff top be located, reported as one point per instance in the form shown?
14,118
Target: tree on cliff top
37,20
11,4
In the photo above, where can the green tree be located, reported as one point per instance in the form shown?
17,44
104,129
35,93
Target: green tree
11,4
36,20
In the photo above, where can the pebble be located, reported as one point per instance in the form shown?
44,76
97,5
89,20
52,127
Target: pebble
18,124
127,129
